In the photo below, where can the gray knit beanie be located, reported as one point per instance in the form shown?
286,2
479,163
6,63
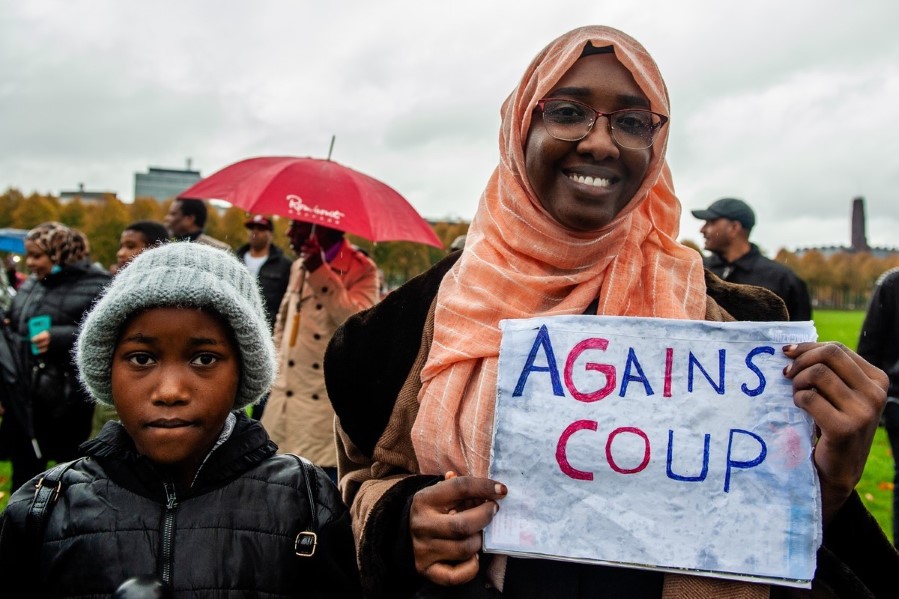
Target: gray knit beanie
180,274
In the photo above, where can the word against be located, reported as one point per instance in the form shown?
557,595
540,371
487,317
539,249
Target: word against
655,443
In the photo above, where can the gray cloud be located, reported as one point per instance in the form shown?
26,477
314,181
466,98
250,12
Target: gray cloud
788,105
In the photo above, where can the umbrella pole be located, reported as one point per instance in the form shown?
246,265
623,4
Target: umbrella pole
295,325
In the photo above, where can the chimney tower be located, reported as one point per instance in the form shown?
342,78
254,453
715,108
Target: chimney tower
859,237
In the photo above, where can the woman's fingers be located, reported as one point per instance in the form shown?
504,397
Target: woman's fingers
41,341
451,574
834,372
445,523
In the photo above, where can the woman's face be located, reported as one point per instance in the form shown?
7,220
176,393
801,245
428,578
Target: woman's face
36,260
560,172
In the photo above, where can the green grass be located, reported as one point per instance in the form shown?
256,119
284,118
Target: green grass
876,485
5,478
875,488
839,325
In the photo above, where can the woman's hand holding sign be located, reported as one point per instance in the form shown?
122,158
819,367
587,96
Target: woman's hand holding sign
446,521
845,395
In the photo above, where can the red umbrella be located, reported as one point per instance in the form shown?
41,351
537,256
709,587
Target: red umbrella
317,191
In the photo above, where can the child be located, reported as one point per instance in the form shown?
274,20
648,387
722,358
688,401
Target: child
186,487
137,237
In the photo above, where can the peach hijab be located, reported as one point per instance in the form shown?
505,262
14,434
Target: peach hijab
519,263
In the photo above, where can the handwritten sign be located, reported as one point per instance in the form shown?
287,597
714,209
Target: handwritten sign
655,443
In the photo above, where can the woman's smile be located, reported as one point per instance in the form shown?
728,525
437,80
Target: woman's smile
585,184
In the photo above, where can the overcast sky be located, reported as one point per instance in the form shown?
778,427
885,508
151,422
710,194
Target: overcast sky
790,105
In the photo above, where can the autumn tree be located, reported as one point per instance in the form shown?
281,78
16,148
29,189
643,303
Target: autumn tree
146,209
103,227
9,201
73,214
227,226
34,210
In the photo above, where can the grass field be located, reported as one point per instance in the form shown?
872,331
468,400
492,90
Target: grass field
876,486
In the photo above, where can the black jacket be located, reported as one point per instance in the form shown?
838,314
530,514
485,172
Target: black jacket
232,532
755,269
63,420
65,295
879,340
273,278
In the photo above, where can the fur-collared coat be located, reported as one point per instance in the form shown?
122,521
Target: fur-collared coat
298,415
372,356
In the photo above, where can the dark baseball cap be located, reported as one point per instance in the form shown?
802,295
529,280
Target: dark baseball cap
729,208
257,220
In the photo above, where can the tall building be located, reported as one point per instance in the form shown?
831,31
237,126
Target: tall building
164,183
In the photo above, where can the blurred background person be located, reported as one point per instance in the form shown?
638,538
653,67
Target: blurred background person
13,275
137,237
728,222
63,284
878,343
329,282
267,262
185,221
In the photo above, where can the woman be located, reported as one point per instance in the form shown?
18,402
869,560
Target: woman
579,216
62,285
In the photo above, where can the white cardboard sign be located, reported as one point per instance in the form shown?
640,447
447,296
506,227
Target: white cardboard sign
655,443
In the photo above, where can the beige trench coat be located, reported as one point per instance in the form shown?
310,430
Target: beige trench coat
298,416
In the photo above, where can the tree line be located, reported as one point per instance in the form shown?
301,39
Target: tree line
842,280
103,221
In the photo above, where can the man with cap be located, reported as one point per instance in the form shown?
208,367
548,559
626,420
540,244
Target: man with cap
728,222
266,262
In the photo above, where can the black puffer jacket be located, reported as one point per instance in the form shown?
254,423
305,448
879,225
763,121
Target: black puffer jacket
65,295
63,420
233,531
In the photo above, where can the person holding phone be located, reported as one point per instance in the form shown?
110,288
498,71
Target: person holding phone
45,313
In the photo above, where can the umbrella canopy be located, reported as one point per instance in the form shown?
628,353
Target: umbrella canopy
13,240
317,191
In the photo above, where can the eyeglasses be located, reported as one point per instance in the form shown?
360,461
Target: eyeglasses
631,128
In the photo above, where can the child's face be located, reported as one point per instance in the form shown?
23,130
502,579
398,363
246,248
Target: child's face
131,243
175,375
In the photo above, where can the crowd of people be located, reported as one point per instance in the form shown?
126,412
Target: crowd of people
180,490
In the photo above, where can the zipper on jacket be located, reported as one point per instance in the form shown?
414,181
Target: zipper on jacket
168,534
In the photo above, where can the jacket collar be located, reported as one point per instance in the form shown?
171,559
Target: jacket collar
246,446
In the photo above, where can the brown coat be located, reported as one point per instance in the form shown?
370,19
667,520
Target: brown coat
298,417
213,242
379,472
